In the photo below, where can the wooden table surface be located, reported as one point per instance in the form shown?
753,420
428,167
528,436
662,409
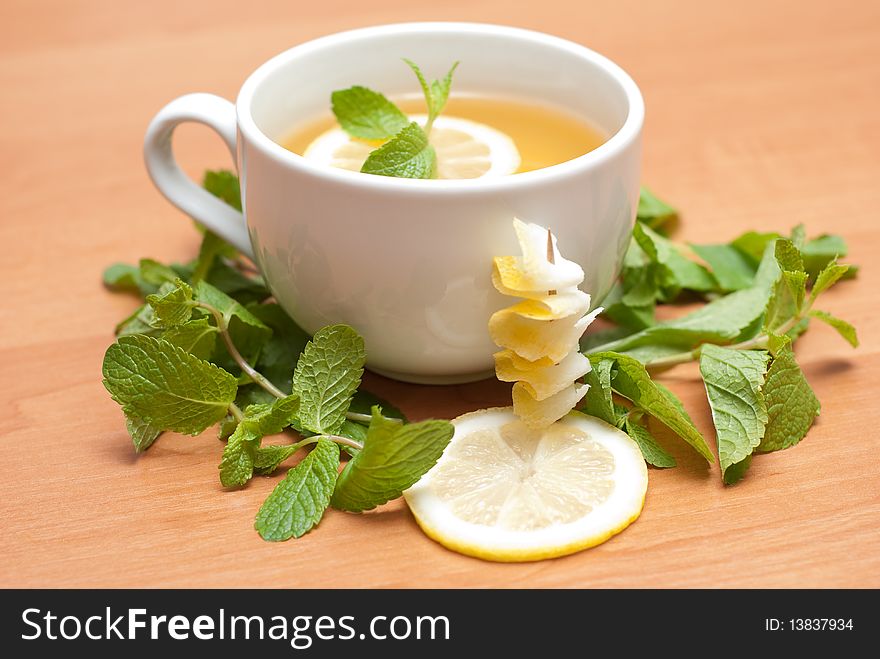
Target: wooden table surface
760,115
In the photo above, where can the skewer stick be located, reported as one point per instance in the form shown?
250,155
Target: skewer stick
551,257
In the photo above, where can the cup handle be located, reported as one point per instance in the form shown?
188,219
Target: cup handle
178,188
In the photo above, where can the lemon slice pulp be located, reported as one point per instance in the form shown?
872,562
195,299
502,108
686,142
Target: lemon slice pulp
465,149
504,492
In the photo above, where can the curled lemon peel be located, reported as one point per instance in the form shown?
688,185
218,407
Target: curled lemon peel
539,335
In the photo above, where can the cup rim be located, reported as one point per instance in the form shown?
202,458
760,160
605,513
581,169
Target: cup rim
619,141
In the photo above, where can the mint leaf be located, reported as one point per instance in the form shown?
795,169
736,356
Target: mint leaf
732,269
436,93
677,272
407,155
394,457
281,352
141,321
174,307
631,303
237,465
298,502
791,404
598,402
212,247
142,433
166,386
819,252
198,337
268,458
244,289
653,453
248,332
367,114
326,376
223,184
631,380
153,274
827,277
122,277
754,245
847,331
734,380
654,212
788,256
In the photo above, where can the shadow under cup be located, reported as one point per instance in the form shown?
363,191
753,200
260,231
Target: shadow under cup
408,262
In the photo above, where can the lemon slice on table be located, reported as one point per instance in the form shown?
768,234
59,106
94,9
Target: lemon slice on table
503,492
465,149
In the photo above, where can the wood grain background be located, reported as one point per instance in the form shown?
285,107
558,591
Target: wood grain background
760,115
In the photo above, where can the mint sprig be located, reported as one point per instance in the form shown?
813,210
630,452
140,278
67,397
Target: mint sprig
367,114
742,338
209,345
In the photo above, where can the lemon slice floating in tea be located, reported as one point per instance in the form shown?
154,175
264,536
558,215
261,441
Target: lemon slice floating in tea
504,492
465,149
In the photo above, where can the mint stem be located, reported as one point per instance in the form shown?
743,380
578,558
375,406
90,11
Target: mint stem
252,373
236,412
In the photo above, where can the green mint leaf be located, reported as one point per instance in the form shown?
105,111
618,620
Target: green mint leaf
223,184
653,453
281,352
654,212
407,155
847,331
142,433
632,381
734,380
268,458
298,502
732,269
819,252
244,289
787,299
754,245
436,93
367,114
788,256
827,277
166,386
248,332
141,321
153,274
631,304
198,337
394,457
791,404
677,272
122,277
363,402
327,375
237,465
212,247
174,307
598,401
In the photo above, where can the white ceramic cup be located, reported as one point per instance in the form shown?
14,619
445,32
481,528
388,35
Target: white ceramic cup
407,262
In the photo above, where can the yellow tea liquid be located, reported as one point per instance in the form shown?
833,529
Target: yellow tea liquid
543,134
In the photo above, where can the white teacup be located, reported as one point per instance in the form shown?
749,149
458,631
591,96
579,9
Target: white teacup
407,262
